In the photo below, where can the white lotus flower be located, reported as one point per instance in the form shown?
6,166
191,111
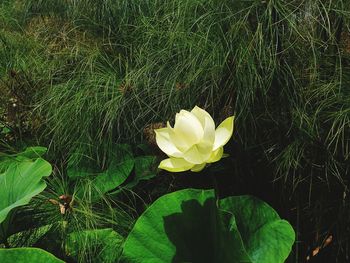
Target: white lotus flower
193,141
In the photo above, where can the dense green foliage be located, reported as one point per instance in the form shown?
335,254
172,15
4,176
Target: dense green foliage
71,226
79,76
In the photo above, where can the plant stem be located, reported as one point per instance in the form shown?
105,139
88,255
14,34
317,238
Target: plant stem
215,184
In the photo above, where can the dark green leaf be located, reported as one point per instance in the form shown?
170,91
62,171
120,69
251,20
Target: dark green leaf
81,166
118,170
185,226
27,255
33,152
104,243
266,237
144,169
30,153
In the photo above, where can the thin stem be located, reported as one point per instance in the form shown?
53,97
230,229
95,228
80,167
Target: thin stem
215,184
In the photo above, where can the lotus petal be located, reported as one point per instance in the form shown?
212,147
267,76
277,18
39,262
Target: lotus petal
223,133
175,165
188,128
207,123
198,167
165,144
216,155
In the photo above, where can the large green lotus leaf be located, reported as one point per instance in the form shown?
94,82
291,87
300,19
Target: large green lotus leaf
80,171
33,152
27,255
21,181
266,237
117,171
81,165
185,226
105,244
29,153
